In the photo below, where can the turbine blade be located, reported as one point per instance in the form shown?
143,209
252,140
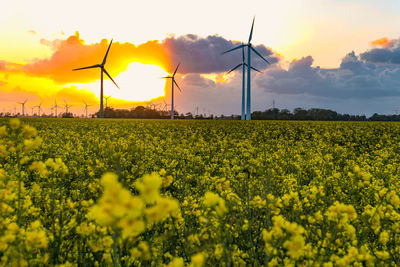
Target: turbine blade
237,47
255,69
110,78
235,68
242,53
255,51
105,57
166,77
251,32
90,67
176,69
177,85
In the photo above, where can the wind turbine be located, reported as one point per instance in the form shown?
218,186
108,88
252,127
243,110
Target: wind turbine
101,66
23,107
86,107
39,107
243,64
55,107
249,49
106,98
66,107
172,77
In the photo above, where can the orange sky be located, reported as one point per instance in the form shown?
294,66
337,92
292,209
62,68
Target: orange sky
51,78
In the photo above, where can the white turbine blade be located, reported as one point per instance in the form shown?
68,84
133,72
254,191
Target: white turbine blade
105,57
251,32
111,78
176,69
90,67
177,85
255,51
235,68
237,47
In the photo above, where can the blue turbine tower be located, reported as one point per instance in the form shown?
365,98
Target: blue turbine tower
249,49
243,64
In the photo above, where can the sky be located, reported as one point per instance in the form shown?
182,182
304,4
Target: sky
338,54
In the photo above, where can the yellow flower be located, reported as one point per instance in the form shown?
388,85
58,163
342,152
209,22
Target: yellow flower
176,262
3,131
197,260
211,199
15,123
149,187
384,237
29,131
295,246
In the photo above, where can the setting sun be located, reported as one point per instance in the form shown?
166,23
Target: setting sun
140,82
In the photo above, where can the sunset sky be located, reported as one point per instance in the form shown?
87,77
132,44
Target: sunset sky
338,54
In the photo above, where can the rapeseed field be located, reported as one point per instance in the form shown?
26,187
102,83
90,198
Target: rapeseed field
85,192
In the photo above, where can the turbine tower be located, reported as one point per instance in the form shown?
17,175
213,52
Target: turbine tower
172,77
23,107
249,49
101,66
243,64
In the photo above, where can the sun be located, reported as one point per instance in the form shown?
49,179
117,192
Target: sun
140,82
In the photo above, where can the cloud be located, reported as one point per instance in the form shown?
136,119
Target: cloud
33,32
204,55
388,52
196,54
74,53
354,78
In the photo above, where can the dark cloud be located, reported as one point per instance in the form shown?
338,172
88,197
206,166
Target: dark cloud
197,81
354,78
204,55
388,52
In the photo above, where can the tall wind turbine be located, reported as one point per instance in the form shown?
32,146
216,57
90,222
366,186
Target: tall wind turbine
86,107
243,64
101,66
23,107
172,77
249,49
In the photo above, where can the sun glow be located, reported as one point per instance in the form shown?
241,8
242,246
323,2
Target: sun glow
140,82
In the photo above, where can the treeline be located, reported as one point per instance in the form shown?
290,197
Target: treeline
316,114
147,113
313,114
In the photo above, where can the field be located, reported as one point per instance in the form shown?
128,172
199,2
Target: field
156,192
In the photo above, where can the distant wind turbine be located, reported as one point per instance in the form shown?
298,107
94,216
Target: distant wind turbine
249,49
39,107
243,64
172,77
101,66
66,107
23,107
55,108
106,98
86,107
